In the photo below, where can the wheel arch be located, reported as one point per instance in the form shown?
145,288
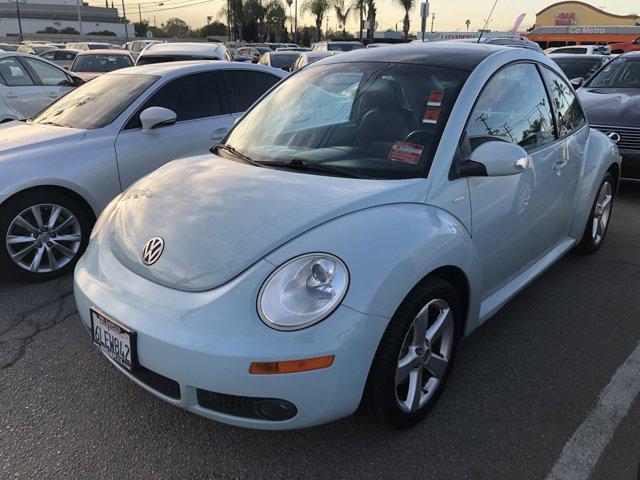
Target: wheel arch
55,188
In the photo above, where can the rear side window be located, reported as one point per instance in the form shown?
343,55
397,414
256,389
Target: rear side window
567,107
190,97
64,56
247,86
49,75
513,107
13,73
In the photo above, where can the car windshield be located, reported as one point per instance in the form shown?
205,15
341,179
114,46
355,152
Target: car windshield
623,72
283,60
101,63
94,104
578,67
362,119
100,46
344,47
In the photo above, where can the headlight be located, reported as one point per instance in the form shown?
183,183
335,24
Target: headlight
106,214
303,291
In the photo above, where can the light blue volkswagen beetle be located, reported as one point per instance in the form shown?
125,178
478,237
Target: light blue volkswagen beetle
360,220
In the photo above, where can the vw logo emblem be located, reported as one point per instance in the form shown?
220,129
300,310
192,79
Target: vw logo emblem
614,137
152,250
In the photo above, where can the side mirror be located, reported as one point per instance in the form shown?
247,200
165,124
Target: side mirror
156,117
497,159
66,67
77,81
576,83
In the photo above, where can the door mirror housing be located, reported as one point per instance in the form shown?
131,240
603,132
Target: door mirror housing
156,117
499,159
576,83
77,81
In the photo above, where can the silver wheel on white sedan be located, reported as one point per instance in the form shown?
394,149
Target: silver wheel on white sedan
425,355
43,238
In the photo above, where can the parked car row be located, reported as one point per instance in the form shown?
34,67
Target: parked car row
328,248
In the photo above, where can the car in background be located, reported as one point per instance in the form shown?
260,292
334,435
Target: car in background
293,49
62,57
611,100
90,64
176,52
625,47
9,47
283,60
255,52
582,50
352,228
521,42
60,169
136,46
89,46
36,50
378,45
239,57
579,68
338,46
307,58
28,84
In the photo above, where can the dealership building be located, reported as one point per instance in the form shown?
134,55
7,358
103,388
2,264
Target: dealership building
37,15
578,23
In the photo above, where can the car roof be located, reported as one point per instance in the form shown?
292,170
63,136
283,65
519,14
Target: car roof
105,51
593,56
460,56
174,69
191,48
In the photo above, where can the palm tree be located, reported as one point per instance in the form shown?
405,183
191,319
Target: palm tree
360,11
408,6
371,18
317,8
342,13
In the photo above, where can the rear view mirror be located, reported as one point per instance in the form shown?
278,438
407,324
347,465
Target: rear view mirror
155,117
499,159
576,83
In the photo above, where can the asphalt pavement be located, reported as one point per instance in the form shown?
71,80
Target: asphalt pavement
522,385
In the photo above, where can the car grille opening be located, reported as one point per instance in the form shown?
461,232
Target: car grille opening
272,409
158,382
629,136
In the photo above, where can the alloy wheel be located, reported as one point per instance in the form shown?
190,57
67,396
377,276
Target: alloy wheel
425,355
43,238
601,213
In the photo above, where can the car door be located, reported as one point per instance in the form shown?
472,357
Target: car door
245,87
53,79
574,134
20,91
202,118
516,219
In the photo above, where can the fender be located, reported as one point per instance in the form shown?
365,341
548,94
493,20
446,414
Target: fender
601,153
397,246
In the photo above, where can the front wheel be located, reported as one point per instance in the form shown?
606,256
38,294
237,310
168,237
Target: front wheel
42,235
598,222
415,355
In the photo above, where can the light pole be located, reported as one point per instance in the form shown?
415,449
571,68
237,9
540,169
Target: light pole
78,5
124,16
18,2
467,23
296,25
289,2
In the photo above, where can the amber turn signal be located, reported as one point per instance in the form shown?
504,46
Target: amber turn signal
291,366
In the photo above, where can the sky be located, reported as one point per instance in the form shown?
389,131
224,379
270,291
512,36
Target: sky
390,14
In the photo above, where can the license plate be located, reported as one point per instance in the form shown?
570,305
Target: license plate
113,339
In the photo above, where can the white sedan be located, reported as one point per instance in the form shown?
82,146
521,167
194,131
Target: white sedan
28,84
60,169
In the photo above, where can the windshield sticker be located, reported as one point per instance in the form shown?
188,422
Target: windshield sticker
431,115
406,152
435,98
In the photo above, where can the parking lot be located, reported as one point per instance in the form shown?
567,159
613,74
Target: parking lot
523,383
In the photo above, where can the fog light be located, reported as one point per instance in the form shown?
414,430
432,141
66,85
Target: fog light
291,366
273,409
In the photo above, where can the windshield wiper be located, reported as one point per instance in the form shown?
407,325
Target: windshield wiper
236,154
297,164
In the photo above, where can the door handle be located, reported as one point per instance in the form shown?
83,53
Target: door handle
558,166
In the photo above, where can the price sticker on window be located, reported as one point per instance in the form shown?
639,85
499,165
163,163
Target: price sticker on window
406,152
435,99
431,115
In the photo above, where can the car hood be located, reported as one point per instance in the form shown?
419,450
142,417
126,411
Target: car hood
217,217
611,106
20,137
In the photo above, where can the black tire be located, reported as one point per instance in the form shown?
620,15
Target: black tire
15,206
380,398
588,244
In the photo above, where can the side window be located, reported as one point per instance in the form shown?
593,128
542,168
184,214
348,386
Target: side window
247,86
568,111
513,107
50,75
13,73
190,97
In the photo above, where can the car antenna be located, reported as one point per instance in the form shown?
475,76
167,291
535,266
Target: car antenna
487,20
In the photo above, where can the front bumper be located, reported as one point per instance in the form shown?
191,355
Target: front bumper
630,164
206,341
